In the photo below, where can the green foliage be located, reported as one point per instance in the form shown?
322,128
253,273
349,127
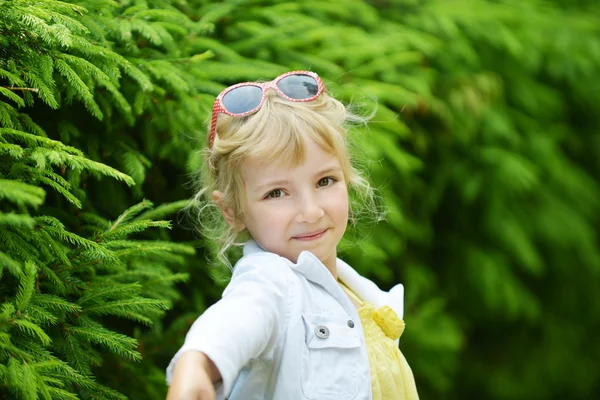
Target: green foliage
484,145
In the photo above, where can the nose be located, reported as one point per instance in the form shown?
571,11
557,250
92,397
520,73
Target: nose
309,210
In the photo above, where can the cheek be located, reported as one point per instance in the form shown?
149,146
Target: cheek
338,204
266,219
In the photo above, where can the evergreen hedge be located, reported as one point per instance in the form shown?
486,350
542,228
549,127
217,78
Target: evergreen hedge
485,147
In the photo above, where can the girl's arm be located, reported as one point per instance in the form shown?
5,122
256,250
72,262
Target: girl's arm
244,325
194,378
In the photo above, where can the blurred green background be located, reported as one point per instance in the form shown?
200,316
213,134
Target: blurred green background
485,147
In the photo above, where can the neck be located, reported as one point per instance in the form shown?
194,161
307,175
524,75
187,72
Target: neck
331,264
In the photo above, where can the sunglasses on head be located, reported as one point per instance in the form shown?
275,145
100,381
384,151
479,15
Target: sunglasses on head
248,97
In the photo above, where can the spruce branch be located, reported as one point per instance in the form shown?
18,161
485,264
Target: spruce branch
12,150
12,78
77,163
45,89
14,267
134,227
19,247
26,286
56,283
96,390
71,349
22,194
30,126
107,290
34,90
8,116
81,89
135,165
37,140
12,96
52,365
130,213
53,180
16,220
164,210
41,315
95,220
101,78
171,247
116,343
61,394
20,377
32,329
132,308
55,303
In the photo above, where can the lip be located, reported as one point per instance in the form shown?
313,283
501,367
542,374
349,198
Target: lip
312,235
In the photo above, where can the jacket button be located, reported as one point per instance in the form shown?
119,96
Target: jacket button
351,323
322,332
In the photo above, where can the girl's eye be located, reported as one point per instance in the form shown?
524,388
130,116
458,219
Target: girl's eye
274,194
326,181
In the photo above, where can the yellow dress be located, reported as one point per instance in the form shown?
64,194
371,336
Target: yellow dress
391,376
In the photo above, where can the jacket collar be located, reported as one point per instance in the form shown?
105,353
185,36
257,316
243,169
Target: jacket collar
315,271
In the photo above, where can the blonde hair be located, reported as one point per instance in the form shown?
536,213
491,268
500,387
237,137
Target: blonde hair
275,132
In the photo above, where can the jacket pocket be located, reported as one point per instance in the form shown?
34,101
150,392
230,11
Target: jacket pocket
330,357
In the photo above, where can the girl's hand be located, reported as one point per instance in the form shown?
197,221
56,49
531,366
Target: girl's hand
193,378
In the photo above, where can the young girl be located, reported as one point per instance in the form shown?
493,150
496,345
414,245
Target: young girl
295,322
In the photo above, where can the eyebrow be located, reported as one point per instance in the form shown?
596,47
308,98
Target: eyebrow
282,182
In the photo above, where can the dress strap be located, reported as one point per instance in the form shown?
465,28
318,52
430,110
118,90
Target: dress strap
351,293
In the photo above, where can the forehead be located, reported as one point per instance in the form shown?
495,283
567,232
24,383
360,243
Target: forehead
256,170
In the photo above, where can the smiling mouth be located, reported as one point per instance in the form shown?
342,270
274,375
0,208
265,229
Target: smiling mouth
311,236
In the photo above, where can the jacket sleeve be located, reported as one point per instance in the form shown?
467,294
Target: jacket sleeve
246,323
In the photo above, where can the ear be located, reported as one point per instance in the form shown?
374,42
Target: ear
228,212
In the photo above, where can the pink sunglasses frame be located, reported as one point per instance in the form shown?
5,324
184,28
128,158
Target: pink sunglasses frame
219,108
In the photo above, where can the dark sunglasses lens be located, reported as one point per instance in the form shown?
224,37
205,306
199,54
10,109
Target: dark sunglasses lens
299,86
242,99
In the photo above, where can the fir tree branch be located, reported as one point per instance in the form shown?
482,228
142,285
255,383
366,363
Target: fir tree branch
118,344
19,246
95,220
46,89
12,96
21,193
17,220
34,90
34,140
56,284
82,90
55,303
8,115
41,176
56,229
99,390
132,308
41,316
26,286
130,213
164,210
134,227
20,377
154,245
108,289
61,394
33,330
13,266
12,150
73,352
53,365
12,78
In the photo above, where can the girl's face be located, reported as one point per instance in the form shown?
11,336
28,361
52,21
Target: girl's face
291,209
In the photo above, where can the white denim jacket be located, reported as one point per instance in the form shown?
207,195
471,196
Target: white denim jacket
288,331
